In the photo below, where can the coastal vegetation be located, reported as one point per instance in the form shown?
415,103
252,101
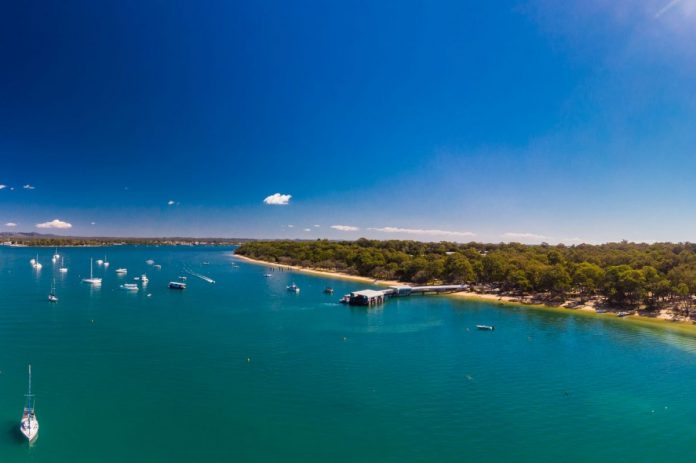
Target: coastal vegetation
621,275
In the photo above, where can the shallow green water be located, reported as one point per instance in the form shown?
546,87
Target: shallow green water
244,371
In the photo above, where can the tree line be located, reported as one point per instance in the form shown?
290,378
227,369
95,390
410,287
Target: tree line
623,274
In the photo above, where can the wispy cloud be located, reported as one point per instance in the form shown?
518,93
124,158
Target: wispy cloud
2,187
423,231
307,229
668,6
10,224
55,223
171,202
291,226
316,226
29,187
93,223
525,236
346,228
277,199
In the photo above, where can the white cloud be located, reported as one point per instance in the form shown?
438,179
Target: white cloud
346,228
93,223
317,226
307,229
171,202
29,187
423,231
2,187
55,223
525,236
10,224
277,199
291,226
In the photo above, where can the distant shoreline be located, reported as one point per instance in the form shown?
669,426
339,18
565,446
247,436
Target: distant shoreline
683,327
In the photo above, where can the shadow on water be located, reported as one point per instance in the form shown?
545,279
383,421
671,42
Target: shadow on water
12,433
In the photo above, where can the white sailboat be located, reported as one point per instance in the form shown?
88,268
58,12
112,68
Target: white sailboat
52,295
121,271
92,280
37,265
63,268
55,257
30,424
144,279
106,262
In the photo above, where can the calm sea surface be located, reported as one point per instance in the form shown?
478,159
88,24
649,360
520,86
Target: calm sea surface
243,371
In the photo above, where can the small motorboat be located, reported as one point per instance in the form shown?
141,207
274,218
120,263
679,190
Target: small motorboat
100,262
149,262
144,279
177,285
130,287
157,266
121,271
345,299
328,290
293,288
485,327
623,314
267,275
183,278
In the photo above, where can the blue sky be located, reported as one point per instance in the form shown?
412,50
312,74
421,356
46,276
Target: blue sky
488,121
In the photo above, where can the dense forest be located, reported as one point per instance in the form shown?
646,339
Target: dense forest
623,274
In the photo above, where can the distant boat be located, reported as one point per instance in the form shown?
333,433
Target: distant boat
130,287
121,271
63,268
177,285
32,261
157,266
328,290
100,262
183,278
144,279
267,275
293,288
30,424
52,295
345,299
485,327
623,314
92,280
55,257
35,263
106,262
149,262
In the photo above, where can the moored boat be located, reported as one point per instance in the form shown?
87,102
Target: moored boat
52,295
92,280
121,271
328,290
293,288
63,268
485,327
130,287
177,285
29,426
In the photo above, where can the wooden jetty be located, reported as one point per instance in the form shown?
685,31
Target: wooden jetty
372,297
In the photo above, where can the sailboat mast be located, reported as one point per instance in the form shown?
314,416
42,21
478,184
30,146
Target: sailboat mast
90,268
29,393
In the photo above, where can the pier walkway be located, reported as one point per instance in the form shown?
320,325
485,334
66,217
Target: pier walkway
370,297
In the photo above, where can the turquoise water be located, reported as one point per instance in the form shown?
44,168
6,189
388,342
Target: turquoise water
244,371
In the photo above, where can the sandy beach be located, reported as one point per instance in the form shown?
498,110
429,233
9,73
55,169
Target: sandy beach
664,320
